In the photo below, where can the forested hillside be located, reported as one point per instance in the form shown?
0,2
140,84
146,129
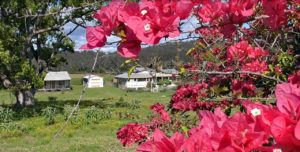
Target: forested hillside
168,55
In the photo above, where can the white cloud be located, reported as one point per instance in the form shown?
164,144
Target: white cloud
109,49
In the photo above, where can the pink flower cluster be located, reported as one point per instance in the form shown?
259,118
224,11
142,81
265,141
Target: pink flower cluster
236,12
251,58
187,96
295,78
137,133
132,133
163,115
146,21
149,21
260,128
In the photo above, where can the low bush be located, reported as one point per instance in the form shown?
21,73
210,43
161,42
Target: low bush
134,104
75,119
92,115
164,82
121,103
12,129
49,115
6,115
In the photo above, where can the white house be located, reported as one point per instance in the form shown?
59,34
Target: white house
136,80
56,81
93,81
166,74
142,78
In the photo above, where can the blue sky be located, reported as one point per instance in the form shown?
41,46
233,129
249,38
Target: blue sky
78,36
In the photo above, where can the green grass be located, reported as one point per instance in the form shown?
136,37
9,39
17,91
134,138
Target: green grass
81,137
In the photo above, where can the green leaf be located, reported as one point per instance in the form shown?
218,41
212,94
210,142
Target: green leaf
182,70
190,51
271,67
131,69
128,61
185,129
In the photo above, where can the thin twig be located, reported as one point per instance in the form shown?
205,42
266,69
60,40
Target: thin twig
274,41
78,102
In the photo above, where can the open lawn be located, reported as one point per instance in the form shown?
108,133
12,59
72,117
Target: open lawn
93,127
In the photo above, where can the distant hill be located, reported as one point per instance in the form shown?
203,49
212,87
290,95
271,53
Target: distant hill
168,55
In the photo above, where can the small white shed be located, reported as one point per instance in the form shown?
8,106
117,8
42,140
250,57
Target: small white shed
93,81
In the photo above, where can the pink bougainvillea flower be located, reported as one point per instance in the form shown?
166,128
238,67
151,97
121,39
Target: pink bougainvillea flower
129,49
241,135
288,99
160,109
243,87
257,53
197,142
295,78
241,9
228,30
211,11
95,38
130,46
132,133
157,107
184,8
297,130
283,131
145,30
108,16
209,120
275,10
255,108
129,9
219,133
142,23
161,143
181,9
153,21
239,51
256,66
186,97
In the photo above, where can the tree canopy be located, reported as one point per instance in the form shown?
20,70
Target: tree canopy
31,35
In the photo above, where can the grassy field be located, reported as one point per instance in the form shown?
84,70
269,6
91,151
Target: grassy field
28,130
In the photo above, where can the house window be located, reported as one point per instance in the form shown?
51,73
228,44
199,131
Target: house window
61,84
142,79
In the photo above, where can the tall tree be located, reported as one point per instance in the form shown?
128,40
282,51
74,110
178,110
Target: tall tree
31,35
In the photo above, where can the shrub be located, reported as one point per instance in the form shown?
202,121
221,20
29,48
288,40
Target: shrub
134,104
12,129
125,115
164,82
107,113
121,103
92,115
49,115
6,115
75,118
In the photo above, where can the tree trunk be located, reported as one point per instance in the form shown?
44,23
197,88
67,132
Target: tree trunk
25,97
